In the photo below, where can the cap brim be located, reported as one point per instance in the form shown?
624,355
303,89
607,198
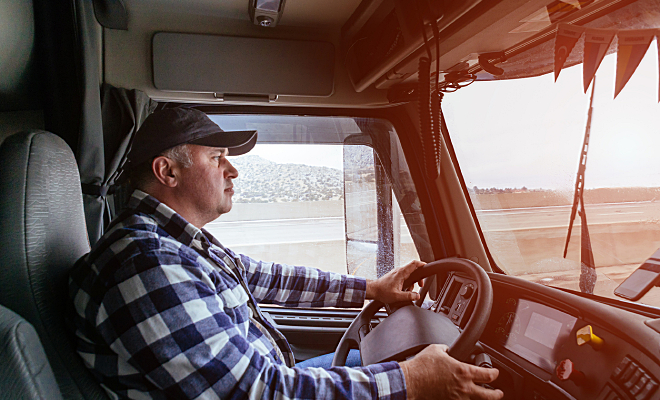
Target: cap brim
238,142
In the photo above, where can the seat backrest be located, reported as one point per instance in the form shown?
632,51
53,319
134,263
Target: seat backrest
24,370
42,234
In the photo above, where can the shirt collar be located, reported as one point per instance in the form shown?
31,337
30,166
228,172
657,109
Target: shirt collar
174,224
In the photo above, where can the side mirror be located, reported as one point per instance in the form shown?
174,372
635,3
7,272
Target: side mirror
641,280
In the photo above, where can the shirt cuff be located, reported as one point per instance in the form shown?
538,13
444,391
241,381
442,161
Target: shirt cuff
355,292
390,382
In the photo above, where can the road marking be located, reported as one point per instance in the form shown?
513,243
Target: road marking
627,203
624,213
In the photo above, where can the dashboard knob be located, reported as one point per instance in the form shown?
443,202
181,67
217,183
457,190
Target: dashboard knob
566,371
466,291
585,335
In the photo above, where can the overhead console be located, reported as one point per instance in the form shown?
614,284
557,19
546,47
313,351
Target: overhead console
383,40
382,33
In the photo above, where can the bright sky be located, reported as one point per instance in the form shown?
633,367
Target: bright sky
529,132
327,155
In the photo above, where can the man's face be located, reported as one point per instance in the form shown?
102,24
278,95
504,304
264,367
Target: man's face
208,182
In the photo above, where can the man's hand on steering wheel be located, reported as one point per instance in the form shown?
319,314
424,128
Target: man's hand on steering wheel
433,374
389,287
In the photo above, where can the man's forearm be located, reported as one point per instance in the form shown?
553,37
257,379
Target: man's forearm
370,293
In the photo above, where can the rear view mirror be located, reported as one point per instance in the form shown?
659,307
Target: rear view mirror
642,280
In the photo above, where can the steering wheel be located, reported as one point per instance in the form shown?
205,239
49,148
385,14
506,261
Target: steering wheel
411,328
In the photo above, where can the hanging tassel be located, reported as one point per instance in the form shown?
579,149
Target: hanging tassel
588,275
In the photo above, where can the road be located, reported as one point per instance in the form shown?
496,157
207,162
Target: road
557,216
301,230
274,231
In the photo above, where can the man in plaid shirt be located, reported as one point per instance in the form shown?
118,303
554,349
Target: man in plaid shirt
162,310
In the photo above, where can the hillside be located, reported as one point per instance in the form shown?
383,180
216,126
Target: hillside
263,181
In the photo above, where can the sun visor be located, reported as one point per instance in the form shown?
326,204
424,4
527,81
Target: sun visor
228,65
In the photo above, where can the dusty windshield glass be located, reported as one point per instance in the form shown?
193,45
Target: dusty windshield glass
519,142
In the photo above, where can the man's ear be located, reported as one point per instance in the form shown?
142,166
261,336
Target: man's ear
163,169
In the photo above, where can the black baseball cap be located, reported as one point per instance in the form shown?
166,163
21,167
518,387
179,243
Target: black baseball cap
171,127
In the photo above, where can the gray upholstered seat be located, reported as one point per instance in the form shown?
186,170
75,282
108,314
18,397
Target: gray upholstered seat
42,234
24,370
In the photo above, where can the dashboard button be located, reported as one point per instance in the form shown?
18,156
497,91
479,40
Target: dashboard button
628,384
621,367
467,290
640,384
629,372
648,390
566,371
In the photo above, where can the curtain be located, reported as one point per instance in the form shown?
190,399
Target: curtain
110,117
96,122
124,111
90,134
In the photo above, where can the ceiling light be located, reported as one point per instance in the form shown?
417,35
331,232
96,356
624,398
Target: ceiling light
266,13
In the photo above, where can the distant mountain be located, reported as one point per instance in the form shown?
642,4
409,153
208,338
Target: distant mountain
263,181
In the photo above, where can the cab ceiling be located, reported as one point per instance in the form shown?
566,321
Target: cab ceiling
127,54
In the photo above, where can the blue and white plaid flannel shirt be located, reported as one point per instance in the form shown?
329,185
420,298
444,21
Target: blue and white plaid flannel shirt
160,310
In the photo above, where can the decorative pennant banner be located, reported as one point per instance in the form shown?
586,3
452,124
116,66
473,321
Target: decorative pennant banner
596,44
632,48
567,36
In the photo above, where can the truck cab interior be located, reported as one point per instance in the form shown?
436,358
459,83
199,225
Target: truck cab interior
388,130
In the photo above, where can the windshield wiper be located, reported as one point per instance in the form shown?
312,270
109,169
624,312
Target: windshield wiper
587,265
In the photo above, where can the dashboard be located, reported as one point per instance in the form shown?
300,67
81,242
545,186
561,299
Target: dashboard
552,344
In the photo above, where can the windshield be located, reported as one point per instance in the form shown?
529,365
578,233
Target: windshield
519,142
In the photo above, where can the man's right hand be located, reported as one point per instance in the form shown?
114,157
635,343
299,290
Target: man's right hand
433,374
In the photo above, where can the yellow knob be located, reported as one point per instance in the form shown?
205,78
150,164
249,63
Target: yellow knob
585,335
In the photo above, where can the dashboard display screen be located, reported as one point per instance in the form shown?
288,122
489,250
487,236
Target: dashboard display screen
534,331
543,330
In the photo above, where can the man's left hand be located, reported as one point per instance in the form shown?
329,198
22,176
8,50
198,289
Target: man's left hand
389,287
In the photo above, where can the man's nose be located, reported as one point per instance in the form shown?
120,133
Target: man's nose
231,171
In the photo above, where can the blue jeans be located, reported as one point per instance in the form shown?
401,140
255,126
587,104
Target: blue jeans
325,361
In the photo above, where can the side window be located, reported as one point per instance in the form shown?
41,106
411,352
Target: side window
329,206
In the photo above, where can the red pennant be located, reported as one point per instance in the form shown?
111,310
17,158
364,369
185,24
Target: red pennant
567,36
596,43
632,47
